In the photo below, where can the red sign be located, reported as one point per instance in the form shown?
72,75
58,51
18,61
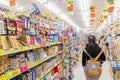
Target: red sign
12,3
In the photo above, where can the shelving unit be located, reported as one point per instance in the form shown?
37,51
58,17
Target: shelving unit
25,48
56,73
15,73
48,70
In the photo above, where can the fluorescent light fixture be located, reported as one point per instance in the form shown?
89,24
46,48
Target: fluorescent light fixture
63,16
52,7
42,1
117,3
4,3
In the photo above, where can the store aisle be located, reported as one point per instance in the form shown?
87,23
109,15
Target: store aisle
79,73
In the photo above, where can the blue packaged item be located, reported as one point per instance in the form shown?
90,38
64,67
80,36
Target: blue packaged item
33,75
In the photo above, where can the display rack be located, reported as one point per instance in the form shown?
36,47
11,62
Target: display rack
14,73
25,48
48,70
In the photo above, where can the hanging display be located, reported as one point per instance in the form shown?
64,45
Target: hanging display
110,4
12,3
92,15
70,6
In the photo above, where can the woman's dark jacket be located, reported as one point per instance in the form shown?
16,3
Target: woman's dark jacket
93,51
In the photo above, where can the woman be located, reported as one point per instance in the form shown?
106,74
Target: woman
93,49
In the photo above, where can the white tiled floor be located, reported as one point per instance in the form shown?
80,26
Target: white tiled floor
79,73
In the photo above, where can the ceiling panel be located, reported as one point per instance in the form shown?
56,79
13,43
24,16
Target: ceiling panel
77,17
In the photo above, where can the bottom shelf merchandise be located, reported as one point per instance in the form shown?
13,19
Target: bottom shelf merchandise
16,64
42,70
115,69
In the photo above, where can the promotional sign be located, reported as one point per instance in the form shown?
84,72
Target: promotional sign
110,6
12,3
70,6
92,15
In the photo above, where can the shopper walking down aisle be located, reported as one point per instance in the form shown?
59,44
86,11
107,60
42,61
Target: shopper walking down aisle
92,59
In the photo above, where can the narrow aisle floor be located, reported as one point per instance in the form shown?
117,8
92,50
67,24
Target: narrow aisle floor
79,73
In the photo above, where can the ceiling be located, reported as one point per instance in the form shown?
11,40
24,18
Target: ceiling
79,9
81,16
78,17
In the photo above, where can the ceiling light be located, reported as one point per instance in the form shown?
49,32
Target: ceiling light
52,7
42,1
63,16
5,3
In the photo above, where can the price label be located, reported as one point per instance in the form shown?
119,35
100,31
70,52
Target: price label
26,47
1,52
30,46
2,78
16,49
37,62
47,44
42,60
20,49
38,46
11,50
6,51
37,79
34,46
23,48
8,76
16,72
5,16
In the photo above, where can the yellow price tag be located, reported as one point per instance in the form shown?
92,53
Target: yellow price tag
11,50
1,52
34,46
19,49
5,16
8,76
2,78
47,44
37,79
26,47
37,62
38,46
42,60
16,72
10,17
30,46
23,48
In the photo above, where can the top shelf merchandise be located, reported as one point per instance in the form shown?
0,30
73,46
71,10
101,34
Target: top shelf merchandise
28,44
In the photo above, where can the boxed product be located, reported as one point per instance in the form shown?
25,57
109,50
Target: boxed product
14,42
23,62
4,63
25,39
19,28
11,27
30,56
32,41
2,28
14,63
4,42
36,55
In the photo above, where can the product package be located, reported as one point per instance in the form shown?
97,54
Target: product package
25,39
19,28
4,42
11,27
14,42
